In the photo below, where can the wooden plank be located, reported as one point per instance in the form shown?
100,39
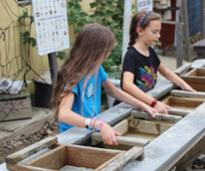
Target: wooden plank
122,127
183,102
53,159
196,72
22,167
122,140
84,156
201,79
196,83
158,117
122,160
191,72
22,154
164,152
73,168
148,127
183,69
179,112
182,93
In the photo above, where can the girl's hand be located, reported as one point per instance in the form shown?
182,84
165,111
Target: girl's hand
108,134
161,107
150,110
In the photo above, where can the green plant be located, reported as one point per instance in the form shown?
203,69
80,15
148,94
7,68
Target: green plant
110,13
26,19
106,12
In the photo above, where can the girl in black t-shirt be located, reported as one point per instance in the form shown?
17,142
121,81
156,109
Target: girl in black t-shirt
141,63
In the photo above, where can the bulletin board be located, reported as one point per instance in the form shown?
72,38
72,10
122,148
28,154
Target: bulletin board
51,25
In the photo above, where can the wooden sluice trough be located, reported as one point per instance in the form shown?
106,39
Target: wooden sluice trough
183,102
167,142
138,129
195,78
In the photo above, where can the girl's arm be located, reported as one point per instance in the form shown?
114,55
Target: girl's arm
67,116
132,89
123,96
170,75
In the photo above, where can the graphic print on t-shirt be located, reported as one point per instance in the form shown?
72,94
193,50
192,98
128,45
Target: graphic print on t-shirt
147,77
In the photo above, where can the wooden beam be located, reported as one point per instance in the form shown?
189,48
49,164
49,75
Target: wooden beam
179,112
196,83
90,157
182,93
122,140
123,159
122,127
53,159
126,26
183,102
23,167
155,128
158,117
183,69
203,17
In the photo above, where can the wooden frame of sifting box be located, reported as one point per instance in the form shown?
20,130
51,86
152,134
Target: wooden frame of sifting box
59,156
195,78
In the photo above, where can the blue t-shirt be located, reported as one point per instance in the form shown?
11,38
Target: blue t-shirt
87,100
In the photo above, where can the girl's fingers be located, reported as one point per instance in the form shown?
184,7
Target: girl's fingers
153,112
153,115
107,141
117,133
168,107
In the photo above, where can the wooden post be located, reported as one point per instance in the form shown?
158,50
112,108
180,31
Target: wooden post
53,66
179,43
184,12
126,25
203,17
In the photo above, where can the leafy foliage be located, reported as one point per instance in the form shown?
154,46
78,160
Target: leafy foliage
106,12
25,19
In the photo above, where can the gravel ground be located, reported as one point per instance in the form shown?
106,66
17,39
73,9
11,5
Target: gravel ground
20,142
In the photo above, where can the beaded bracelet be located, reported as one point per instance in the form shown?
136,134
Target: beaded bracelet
154,102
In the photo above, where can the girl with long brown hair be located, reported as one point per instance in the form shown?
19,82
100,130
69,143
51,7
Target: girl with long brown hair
78,88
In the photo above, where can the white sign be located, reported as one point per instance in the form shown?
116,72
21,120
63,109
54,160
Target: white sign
51,25
144,5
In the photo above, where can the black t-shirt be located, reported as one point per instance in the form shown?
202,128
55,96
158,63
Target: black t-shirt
143,67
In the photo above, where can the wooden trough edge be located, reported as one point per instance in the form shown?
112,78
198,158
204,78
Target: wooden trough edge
158,117
131,141
182,93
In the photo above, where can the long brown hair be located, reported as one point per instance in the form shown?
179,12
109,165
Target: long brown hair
141,19
91,47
